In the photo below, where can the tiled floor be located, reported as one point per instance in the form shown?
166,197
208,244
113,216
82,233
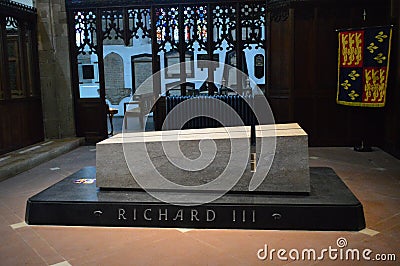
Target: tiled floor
373,177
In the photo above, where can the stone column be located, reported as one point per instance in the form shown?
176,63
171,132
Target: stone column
55,76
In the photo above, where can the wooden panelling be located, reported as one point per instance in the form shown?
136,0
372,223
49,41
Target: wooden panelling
280,109
312,97
304,52
303,117
392,109
21,124
281,69
21,119
280,106
280,47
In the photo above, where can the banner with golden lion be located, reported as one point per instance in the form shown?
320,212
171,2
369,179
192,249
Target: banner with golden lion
363,66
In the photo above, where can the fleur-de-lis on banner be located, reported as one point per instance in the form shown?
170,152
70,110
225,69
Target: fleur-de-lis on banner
353,95
372,47
353,75
380,58
381,36
346,84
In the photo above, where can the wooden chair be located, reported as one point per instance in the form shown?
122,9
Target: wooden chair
144,104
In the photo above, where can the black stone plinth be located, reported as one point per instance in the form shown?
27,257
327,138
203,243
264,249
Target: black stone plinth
329,206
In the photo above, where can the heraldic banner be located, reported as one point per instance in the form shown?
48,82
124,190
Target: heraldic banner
363,66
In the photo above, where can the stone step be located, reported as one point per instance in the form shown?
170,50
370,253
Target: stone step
26,158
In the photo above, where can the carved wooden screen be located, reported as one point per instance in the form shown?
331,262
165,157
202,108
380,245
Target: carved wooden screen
224,26
139,23
168,43
112,22
86,53
195,27
167,28
177,32
252,23
86,32
253,39
184,28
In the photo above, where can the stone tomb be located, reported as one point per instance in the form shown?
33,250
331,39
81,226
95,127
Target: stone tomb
289,171
291,196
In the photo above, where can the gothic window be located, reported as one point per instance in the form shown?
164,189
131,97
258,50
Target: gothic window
224,26
85,30
112,22
139,23
195,27
252,20
167,27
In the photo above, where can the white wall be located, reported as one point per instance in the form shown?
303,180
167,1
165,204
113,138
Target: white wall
140,46
25,2
143,46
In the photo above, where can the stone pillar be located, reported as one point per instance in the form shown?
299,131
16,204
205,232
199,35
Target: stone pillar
55,76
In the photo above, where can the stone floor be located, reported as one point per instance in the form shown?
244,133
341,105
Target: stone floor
132,126
26,158
374,178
